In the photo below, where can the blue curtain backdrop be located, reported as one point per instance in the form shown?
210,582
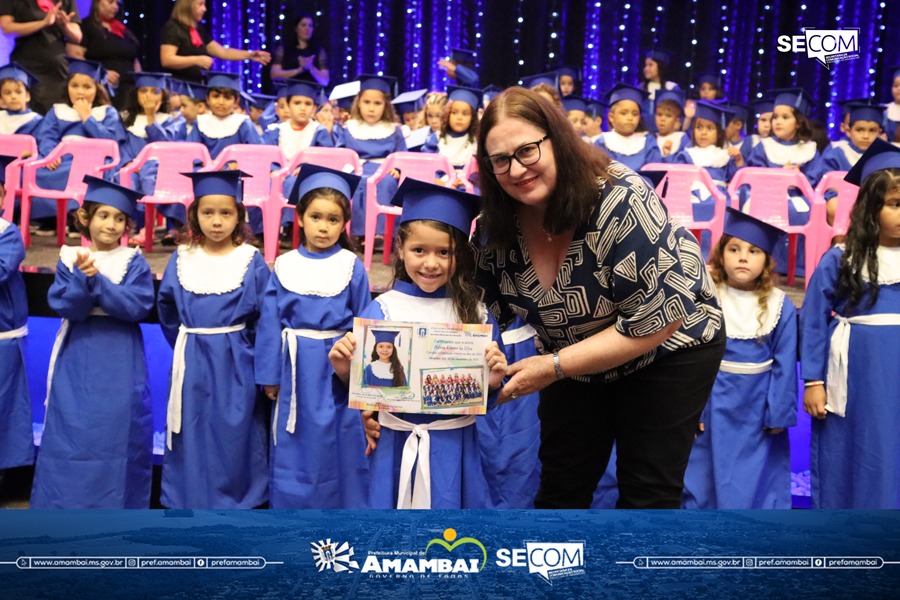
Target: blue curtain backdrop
522,37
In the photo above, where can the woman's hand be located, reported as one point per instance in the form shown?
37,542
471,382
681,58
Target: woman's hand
527,376
260,56
341,354
496,361
112,77
271,391
203,61
372,429
814,401
83,107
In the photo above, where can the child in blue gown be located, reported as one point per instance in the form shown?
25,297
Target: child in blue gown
669,111
850,341
432,279
16,445
456,140
85,112
209,302
385,369
16,117
372,133
741,457
628,141
96,450
317,454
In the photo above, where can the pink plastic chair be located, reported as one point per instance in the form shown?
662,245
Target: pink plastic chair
417,165
678,184
89,157
173,159
769,193
339,159
15,144
256,160
846,198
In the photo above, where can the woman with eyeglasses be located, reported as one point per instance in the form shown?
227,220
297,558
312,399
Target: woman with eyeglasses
629,330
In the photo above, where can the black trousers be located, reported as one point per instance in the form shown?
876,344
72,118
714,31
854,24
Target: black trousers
652,417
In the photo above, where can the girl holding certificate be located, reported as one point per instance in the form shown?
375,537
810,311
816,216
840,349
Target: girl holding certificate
433,282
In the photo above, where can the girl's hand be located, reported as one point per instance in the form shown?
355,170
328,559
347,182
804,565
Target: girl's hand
85,263
814,401
54,165
83,107
341,354
203,61
260,56
773,430
395,174
496,361
271,391
372,429
527,376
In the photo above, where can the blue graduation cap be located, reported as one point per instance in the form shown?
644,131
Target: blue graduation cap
596,108
151,80
880,155
261,100
712,79
383,83
307,89
574,103
383,336
16,72
111,194
677,96
572,72
490,92
197,91
218,183
344,93
458,93
764,105
462,56
741,111
795,98
219,79
895,72
177,86
92,69
551,79
422,200
417,138
863,110
281,89
752,230
624,91
4,162
313,177
659,55
410,101
716,112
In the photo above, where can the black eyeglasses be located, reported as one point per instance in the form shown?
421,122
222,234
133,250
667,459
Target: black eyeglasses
525,155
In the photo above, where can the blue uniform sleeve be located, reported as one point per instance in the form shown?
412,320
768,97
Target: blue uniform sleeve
833,159
268,336
110,128
360,294
271,136
495,337
31,127
69,294
166,305
651,150
682,158
758,157
466,76
161,133
129,300
781,402
194,136
337,136
431,144
322,138
816,316
12,252
399,140
259,275
247,133
48,133
814,169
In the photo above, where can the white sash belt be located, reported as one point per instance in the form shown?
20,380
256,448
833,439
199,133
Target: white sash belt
838,354
517,335
173,410
289,337
14,334
57,345
745,368
418,445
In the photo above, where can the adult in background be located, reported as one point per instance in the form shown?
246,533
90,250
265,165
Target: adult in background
106,40
187,49
299,56
42,28
629,330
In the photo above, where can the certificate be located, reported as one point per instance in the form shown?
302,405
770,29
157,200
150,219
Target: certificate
436,368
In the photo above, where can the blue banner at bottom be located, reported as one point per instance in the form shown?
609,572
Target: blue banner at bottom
448,554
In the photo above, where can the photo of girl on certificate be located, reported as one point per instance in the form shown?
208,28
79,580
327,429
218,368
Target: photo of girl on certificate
385,370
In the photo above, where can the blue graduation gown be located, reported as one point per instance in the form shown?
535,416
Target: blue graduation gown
137,136
721,169
220,458
634,151
322,463
840,156
63,122
510,434
735,463
96,450
291,142
680,140
457,476
371,378
22,122
217,134
16,443
372,143
855,460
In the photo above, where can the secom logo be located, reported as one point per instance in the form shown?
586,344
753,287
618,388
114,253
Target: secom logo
825,45
548,560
